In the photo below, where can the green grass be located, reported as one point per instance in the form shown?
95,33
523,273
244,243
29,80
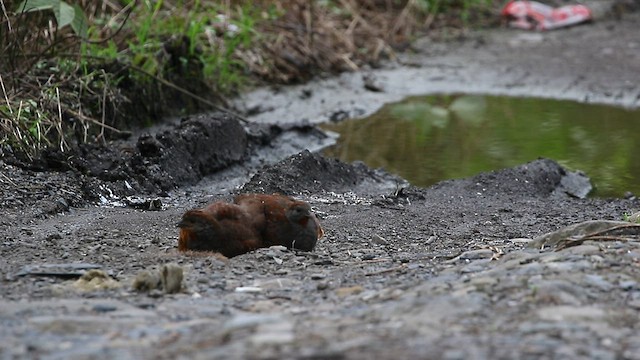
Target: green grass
78,70
629,217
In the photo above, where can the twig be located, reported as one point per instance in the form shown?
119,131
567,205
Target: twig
4,11
104,105
97,122
126,18
608,238
59,124
9,180
598,235
401,17
380,272
600,232
18,119
4,91
567,243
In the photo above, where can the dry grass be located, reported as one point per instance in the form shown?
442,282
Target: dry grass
46,94
53,96
311,37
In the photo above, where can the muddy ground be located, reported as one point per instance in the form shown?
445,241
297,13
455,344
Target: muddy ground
439,272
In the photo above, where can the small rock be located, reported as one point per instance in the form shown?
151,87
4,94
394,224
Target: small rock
279,248
322,285
475,266
171,276
54,236
371,83
146,280
277,284
143,204
368,257
571,313
581,250
351,290
379,240
168,279
575,184
94,280
628,285
61,270
104,308
279,333
474,255
598,282
521,240
249,320
248,289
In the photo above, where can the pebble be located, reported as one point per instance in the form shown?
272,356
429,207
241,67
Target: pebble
273,333
475,266
348,291
571,313
628,285
322,285
277,284
104,308
245,320
379,240
584,249
597,281
171,276
248,289
475,255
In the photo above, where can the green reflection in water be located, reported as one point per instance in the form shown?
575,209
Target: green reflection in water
429,139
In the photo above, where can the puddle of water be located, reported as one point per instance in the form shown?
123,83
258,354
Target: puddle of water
434,138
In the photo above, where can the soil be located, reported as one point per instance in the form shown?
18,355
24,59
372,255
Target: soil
402,272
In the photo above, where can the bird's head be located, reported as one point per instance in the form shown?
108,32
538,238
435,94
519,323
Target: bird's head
194,219
298,212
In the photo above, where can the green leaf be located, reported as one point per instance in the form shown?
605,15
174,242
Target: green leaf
64,14
80,23
37,5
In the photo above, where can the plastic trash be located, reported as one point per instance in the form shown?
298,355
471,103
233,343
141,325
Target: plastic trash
533,15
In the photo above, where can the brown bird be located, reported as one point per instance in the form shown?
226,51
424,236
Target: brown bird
282,220
251,222
221,227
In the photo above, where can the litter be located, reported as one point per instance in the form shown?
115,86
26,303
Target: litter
533,15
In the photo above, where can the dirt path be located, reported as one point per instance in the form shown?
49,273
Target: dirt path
442,272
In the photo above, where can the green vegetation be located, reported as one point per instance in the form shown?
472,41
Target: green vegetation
74,71
465,8
631,217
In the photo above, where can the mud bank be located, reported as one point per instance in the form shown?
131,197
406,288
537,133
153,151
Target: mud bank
592,63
